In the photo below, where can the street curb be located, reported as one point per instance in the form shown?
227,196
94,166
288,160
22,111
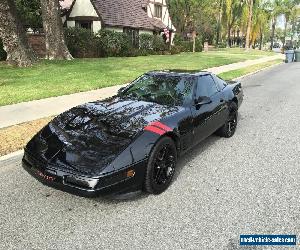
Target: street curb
257,71
11,155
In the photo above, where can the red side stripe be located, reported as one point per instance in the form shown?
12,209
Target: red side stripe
154,130
161,126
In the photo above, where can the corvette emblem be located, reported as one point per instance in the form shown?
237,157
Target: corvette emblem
45,177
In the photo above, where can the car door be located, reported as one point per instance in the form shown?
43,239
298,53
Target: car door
223,112
207,118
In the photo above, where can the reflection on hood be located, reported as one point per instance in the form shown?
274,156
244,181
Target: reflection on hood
89,137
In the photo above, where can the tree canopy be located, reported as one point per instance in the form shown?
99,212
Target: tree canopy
30,12
234,22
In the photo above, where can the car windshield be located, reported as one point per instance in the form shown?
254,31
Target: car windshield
161,89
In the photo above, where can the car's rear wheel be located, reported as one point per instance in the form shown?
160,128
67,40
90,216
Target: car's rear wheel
161,166
229,128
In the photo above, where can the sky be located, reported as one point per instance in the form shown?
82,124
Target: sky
66,3
281,21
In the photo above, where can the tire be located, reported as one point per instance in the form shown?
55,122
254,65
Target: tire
229,128
161,166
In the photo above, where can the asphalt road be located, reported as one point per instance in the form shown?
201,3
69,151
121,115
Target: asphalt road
223,188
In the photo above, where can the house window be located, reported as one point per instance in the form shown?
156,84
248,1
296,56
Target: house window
84,24
157,11
133,35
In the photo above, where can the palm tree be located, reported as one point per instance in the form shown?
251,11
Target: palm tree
295,21
261,20
288,8
219,21
232,13
249,22
275,8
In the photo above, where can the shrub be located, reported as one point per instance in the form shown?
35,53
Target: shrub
159,44
176,49
133,52
146,42
222,45
81,42
187,45
199,46
3,54
153,44
84,43
113,43
143,52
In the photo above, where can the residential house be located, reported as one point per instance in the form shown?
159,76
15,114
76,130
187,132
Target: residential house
131,16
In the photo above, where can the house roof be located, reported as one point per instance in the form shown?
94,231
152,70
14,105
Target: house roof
126,13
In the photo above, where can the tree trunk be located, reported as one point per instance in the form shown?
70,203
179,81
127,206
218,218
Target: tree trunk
228,36
285,29
194,34
218,34
260,39
219,23
53,27
234,38
249,24
273,33
14,38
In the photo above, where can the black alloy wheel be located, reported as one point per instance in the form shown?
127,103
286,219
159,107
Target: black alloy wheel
229,128
161,166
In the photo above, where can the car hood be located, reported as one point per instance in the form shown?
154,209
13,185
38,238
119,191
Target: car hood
88,138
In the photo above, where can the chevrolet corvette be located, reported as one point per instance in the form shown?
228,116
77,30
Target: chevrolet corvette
132,140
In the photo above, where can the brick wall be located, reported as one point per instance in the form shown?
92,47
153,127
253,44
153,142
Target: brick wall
37,42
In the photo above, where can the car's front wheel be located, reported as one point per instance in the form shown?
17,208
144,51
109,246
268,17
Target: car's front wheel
161,166
229,128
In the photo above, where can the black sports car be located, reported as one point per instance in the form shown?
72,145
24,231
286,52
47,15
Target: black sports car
132,140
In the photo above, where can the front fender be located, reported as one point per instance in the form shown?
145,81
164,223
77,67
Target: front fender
136,152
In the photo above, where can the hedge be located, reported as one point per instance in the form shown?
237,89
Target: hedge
111,43
146,42
81,42
84,43
187,45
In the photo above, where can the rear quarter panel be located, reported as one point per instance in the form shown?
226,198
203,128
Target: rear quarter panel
234,92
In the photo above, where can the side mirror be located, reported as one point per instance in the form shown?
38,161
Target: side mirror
202,100
120,91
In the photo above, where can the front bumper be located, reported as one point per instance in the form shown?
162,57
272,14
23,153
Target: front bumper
112,183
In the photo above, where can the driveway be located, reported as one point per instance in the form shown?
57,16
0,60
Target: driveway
223,188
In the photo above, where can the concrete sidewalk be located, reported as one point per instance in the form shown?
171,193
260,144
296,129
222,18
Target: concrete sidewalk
29,111
239,65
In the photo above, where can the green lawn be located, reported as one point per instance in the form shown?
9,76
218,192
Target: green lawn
229,75
56,78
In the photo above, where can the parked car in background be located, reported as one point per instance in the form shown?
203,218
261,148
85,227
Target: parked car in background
277,47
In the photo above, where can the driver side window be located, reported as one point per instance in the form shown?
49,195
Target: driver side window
206,86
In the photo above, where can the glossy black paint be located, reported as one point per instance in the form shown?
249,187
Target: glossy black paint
89,149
